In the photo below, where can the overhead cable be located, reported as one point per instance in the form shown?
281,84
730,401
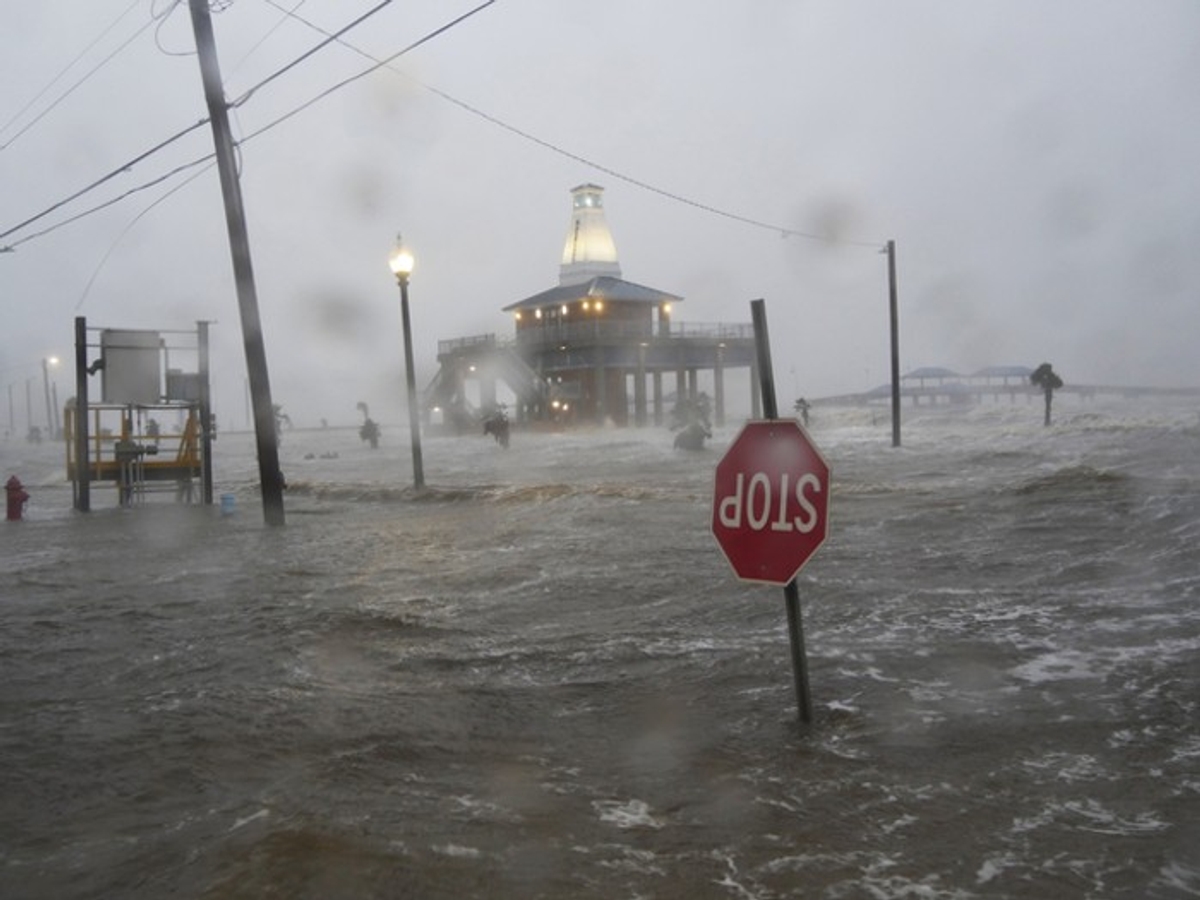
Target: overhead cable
143,156
129,225
262,40
111,175
302,57
367,71
561,151
65,94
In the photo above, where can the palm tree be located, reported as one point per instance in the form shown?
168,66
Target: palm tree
1047,379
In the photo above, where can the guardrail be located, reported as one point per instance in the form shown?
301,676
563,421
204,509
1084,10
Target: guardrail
594,331
475,340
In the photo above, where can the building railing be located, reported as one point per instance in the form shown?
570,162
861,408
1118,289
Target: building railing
718,330
597,331
475,340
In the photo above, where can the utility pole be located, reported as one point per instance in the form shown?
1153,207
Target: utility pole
270,477
206,420
83,466
895,329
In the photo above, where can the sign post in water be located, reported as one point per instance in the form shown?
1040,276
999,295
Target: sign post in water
770,501
771,504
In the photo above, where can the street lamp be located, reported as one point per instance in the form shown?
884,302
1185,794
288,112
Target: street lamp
401,262
47,362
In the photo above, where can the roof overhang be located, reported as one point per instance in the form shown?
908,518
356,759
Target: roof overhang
605,287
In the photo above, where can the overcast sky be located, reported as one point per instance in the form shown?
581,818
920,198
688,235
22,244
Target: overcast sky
1036,164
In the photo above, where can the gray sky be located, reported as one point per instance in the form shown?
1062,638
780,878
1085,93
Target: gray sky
1036,164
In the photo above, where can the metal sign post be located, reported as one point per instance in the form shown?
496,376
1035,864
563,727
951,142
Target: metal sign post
771,504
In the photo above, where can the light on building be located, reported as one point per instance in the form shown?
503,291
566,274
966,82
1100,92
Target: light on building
537,313
564,309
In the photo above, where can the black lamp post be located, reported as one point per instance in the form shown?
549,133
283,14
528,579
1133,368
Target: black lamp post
401,262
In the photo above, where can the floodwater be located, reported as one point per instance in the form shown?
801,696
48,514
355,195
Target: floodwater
540,679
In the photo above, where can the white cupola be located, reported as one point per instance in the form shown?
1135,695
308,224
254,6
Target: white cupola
589,251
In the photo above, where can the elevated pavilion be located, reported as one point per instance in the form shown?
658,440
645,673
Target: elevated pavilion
582,349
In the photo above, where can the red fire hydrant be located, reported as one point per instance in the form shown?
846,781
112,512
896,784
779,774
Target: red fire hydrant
17,495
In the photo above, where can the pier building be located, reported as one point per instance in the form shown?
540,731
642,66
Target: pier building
594,348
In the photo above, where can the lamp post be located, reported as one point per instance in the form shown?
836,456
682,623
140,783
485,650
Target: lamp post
401,263
47,362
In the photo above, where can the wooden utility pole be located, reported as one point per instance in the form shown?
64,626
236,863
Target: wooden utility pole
206,431
270,477
895,329
83,471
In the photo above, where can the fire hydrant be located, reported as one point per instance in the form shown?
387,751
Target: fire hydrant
17,495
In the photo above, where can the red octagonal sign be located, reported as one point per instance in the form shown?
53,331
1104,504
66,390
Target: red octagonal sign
771,501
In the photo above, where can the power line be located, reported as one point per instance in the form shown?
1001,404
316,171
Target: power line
143,156
367,71
331,37
262,40
561,151
113,174
124,231
302,57
644,185
112,201
162,18
65,94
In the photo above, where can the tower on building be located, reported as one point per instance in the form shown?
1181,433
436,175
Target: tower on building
589,251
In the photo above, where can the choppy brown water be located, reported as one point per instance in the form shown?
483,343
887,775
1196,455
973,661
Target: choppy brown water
541,680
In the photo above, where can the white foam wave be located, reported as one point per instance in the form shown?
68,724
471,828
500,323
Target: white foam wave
627,814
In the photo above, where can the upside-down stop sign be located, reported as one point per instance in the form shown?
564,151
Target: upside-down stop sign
770,501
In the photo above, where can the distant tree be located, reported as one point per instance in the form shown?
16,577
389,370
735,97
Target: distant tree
1047,379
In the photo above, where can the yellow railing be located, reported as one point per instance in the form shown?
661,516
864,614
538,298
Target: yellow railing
109,448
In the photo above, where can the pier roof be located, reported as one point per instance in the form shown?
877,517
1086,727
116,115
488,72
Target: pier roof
604,287
931,372
1004,372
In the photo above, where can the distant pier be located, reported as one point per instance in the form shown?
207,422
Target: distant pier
996,384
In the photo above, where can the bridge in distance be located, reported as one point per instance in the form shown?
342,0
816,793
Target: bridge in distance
934,386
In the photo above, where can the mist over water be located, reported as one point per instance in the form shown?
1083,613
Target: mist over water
540,678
